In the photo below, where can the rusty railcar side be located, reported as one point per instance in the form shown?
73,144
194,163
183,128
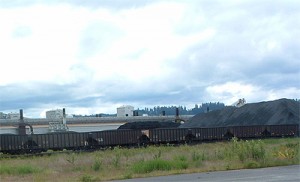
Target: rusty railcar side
284,130
206,134
168,135
115,137
254,131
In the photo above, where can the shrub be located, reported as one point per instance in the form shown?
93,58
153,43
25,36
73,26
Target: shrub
251,164
152,165
288,151
158,165
180,158
158,155
18,170
97,165
116,160
196,156
88,178
180,165
127,176
71,158
247,149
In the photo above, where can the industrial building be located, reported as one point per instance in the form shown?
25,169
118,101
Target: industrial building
125,111
12,115
54,114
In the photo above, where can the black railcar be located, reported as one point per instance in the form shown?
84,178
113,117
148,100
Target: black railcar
254,131
13,144
283,130
167,135
208,134
111,138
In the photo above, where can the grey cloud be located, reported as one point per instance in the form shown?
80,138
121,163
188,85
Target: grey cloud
44,97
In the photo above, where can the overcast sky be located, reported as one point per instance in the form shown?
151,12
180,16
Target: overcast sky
94,56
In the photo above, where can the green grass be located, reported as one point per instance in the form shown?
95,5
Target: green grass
158,165
97,165
123,163
18,170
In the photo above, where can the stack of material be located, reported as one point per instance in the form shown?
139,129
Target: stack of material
282,111
149,125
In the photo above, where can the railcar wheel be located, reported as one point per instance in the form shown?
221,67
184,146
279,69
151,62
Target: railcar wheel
30,146
266,133
144,141
92,142
190,138
228,135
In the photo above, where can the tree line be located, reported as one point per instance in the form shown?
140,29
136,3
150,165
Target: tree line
167,110
171,110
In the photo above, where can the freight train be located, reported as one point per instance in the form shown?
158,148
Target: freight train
36,143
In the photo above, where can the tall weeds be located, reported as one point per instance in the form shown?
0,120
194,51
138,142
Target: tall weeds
18,170
244,150
158,165
120,163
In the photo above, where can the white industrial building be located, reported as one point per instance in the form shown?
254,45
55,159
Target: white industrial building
54,114
125,111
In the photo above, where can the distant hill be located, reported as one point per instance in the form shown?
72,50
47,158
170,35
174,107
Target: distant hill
282,111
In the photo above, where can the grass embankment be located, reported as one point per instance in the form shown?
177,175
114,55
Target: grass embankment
121,163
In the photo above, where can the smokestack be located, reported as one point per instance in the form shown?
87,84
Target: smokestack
64,116
177,111
22,127
21,116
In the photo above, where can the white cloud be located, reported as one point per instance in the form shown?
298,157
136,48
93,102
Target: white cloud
291,92
48,49
98,55
232,91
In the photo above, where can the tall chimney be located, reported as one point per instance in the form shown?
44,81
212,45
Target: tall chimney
21,116
64,116
22,127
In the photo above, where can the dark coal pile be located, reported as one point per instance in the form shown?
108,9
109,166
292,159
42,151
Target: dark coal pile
149,125
282,111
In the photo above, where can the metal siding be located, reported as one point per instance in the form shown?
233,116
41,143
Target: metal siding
35,138
1,143
51,137
112,138
73,139
41,141
66,140
78,140
45,141
20,142
9,142
152,136
63,143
